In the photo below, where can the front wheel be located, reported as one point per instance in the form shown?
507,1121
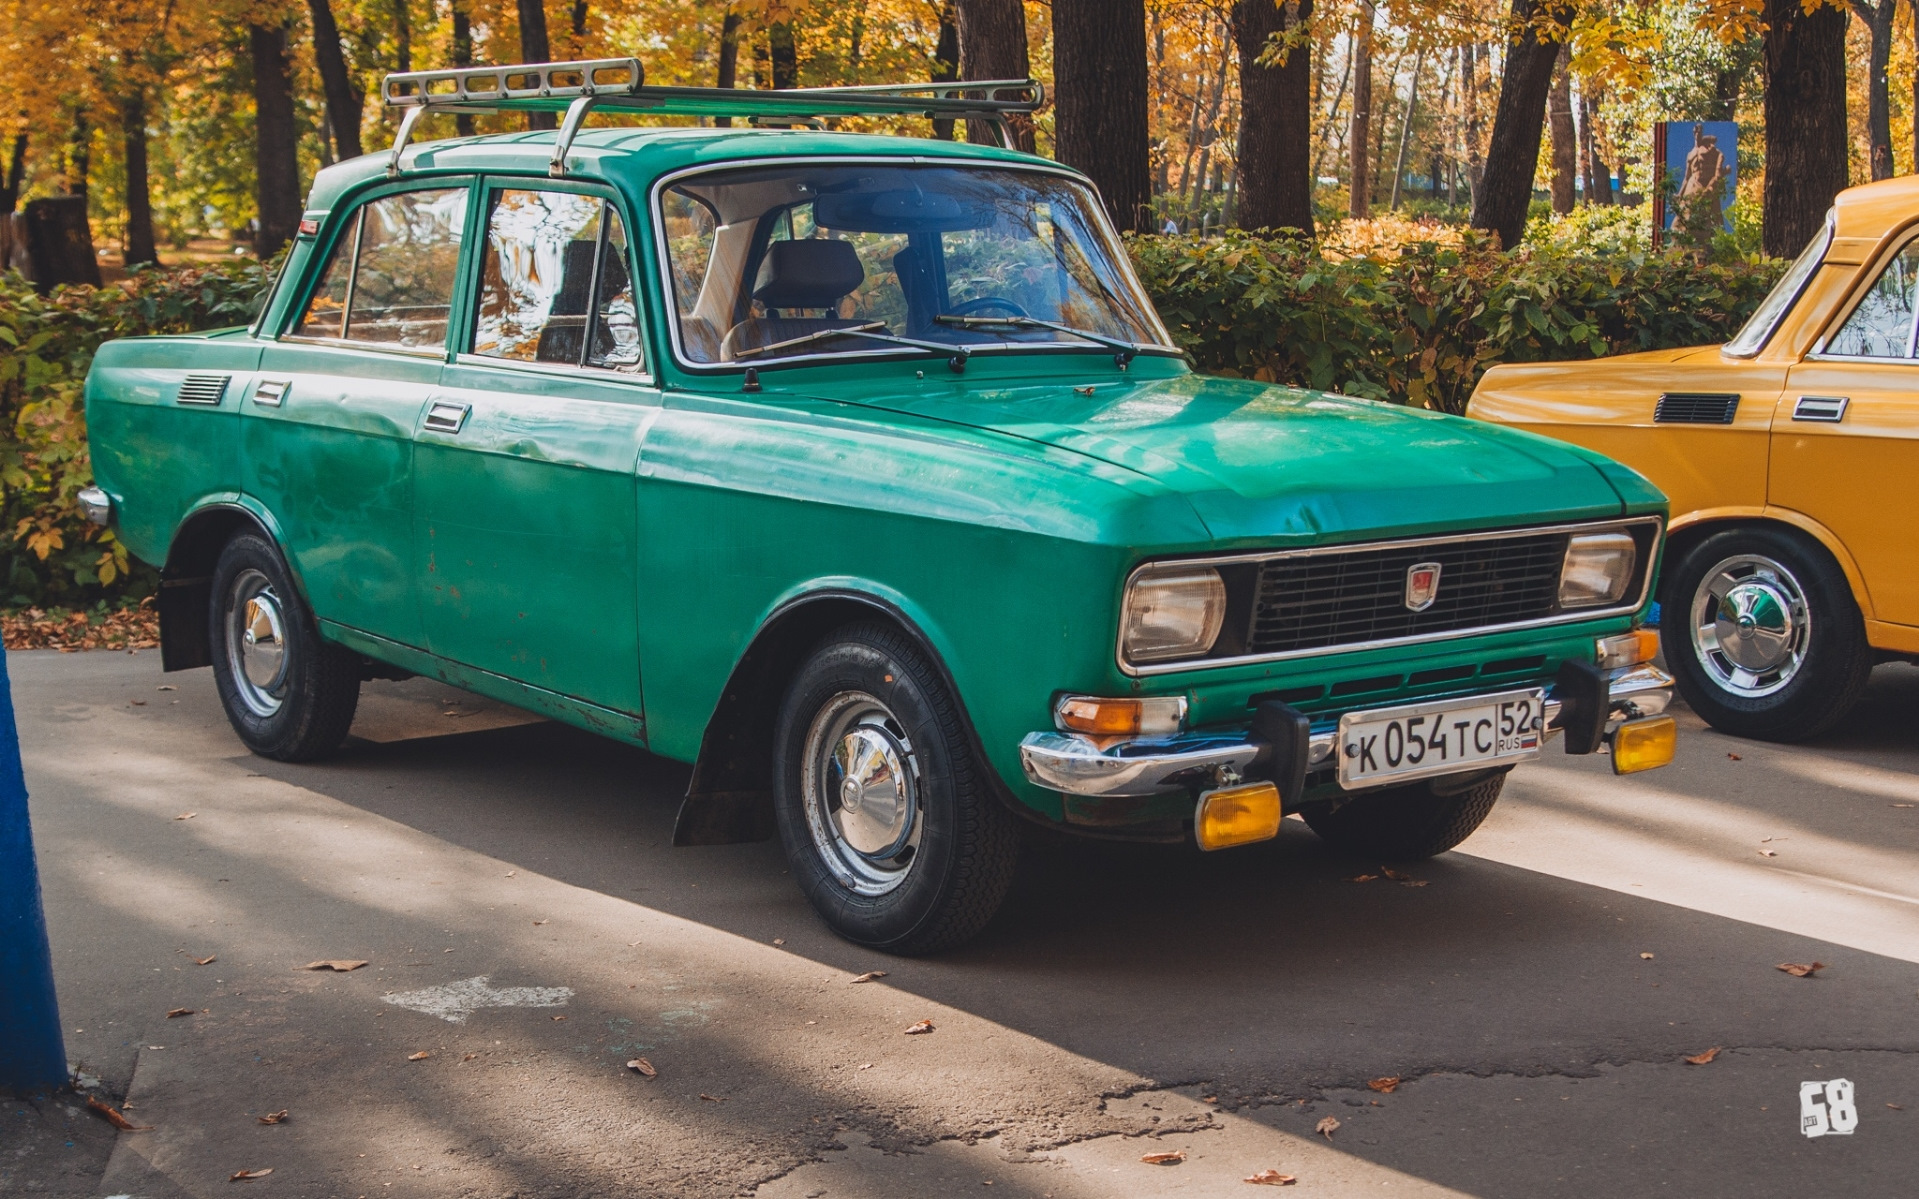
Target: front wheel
1404,824
1762,634
287,693
891,827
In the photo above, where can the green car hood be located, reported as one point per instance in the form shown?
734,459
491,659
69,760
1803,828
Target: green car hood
1261,463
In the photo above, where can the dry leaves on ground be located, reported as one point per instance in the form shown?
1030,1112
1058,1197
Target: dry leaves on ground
1170,1157
1271,1178
919,1027
1327,1126
178,1012
641,1066
1799,970
1645,957
115,1118
779,940
418,1057
35,628
249,1175
470,1057
1735,757
1398,876
1386,1085
279,1117
334,964
1768,853
1700,1059
205,961
868,977
712,1098
1362,878
186,815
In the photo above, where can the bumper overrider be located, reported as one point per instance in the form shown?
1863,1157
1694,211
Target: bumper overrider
1586,705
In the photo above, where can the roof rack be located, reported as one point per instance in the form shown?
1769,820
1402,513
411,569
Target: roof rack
619,84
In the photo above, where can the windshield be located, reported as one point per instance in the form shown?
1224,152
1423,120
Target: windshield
1753,337
767,256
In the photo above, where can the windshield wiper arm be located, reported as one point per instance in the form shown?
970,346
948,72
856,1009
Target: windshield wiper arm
1123,351
957,355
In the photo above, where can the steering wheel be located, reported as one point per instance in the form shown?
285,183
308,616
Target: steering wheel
972,306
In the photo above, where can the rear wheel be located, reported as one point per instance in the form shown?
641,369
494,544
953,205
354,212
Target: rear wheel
1762,634
890,825
1419,820
287,693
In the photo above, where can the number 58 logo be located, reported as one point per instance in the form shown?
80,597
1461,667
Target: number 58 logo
1827,1108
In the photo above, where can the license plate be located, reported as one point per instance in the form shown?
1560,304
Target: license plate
1421,740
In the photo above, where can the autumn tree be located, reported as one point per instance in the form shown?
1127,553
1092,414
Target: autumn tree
1805,112
1100,126
1276,113
992,45
1505,190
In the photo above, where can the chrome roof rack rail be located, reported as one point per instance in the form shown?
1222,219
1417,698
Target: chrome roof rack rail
619,84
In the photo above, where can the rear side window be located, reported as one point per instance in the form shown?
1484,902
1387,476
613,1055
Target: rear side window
390,280
1882,325
554,283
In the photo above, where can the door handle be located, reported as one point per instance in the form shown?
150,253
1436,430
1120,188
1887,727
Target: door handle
444,416
1830,409
271,391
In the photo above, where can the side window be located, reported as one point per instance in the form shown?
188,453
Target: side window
1882,325
692,237
390,281
554,283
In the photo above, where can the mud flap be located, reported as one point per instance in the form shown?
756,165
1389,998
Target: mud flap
724,818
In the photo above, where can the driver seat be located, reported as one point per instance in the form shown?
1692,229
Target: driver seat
816,273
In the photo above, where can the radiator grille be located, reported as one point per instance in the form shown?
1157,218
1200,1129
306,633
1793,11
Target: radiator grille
1321,600
1695,408
203,389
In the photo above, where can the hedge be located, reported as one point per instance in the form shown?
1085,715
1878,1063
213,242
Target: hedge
1406,321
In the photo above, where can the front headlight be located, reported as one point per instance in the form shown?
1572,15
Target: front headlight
1172,612
1597,570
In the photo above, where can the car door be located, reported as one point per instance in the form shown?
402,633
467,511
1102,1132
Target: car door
1845,437
329,422
524,523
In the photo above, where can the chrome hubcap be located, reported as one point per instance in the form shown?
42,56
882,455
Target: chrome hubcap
256,643
861,783
1750,625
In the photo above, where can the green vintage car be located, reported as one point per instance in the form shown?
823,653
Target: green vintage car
858,472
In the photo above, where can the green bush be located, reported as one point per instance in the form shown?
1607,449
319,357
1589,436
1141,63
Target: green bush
50,556
1420,326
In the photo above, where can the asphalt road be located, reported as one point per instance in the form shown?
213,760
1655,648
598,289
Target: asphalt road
511,883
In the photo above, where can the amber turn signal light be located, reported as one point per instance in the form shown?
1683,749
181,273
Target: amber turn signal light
1627,649
1237,816
1160,715
1644,744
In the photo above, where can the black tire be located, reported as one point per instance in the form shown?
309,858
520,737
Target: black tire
1825,660
908,872
302,708
1404,824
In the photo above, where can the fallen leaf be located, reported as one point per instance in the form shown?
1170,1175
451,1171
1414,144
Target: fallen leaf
511,873
1645,957
538,923
641,1066
779,940
166,687
1412,882
1700,1059
205,961
1768,853
869,976
1209,1099
1385,1086
1896,1107
278,1117
1271,1178
469,1057
1362,878
923,1026
1327,1126
178,1012
1398,876
1166,1158
115,1118
712,1098
1735,757
248,1175
138,703
334,964
418,1057
1902,805
1800,971
186,815
867,1066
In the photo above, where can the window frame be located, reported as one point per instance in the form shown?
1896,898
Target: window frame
1871,272
351,223
462,347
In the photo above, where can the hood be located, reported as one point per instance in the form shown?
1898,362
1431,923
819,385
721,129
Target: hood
1264,464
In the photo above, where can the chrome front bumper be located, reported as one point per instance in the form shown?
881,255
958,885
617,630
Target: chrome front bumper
1138,766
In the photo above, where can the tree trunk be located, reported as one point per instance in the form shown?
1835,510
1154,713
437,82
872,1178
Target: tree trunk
1099,122
1359,139
1805,114
1406,129
1564,138
1506,189
16,176
1475,163
580,12
140,250
79,155
276,140
534,47
1275,119
946,59
728,74
1589,148
1878,22
992,45
783,52
462,57
403,34
343,100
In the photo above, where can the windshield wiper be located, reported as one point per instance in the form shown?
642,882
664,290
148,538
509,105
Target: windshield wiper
1123,351
957,355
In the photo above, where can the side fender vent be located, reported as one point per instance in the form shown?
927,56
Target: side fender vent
203,389
1695,408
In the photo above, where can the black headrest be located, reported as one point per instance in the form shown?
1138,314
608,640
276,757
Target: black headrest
815,273
576,277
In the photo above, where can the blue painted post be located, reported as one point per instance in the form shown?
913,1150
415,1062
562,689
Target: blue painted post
32,1055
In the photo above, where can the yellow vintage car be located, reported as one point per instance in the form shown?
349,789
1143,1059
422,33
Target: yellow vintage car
1792,565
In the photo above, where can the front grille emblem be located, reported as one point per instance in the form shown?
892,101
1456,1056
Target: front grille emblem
1422,585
